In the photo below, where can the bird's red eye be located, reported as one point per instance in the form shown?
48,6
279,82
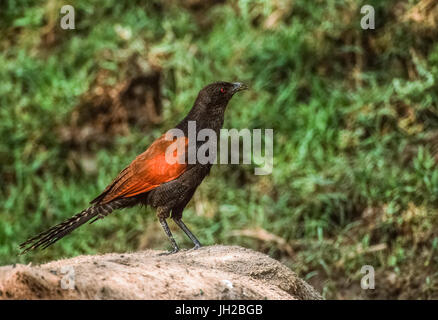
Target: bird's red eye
222,90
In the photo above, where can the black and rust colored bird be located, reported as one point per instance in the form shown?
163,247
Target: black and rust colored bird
150,179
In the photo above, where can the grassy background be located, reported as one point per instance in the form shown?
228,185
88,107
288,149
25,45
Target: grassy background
354,113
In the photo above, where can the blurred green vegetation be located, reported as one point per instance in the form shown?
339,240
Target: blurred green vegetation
354,113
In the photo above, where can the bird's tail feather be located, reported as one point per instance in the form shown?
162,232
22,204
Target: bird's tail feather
50,236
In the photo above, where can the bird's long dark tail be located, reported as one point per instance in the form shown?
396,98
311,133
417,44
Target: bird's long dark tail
50,236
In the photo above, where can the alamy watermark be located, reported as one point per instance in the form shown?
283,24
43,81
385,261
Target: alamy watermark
68,278
201,147
367,21
68,20
367,281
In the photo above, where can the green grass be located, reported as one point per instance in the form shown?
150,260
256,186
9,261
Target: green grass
354,114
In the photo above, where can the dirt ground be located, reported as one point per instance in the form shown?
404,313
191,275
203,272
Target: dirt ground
215,272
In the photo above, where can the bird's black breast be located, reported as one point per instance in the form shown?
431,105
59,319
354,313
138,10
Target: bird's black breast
178,192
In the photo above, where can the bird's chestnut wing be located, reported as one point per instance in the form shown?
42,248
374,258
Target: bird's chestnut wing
147,171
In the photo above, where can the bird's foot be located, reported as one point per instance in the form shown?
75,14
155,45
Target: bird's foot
175,250
196,247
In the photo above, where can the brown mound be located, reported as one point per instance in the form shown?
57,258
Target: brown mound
216,272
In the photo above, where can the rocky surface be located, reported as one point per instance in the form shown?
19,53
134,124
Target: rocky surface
215,272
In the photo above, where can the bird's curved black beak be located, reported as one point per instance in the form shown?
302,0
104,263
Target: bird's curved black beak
239,86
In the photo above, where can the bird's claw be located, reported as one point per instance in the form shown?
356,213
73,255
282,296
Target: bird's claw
196,247
169,252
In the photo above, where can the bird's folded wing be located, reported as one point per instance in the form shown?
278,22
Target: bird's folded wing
149,170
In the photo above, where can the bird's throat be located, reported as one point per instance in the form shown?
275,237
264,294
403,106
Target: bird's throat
205,117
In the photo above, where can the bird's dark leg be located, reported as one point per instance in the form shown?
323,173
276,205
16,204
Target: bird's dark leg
184,228
169,235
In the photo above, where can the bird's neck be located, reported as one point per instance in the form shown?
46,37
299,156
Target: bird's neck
205,117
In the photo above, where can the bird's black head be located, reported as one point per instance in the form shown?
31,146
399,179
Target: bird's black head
218,94
210,105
